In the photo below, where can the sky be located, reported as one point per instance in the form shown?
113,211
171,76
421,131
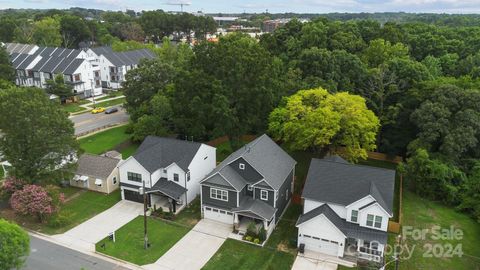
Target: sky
257,6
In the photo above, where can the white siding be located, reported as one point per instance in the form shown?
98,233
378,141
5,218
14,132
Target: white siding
376,210
309,205
202,164
357,205
131,165
320,227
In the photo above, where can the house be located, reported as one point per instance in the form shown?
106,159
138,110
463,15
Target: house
170,169
346,209
97,173
254,184
115,65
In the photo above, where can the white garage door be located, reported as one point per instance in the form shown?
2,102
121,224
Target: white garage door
218,215
320,245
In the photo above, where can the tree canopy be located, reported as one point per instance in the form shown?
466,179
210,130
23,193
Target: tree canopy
14,245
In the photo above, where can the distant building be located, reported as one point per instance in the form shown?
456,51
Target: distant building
270,26
87,71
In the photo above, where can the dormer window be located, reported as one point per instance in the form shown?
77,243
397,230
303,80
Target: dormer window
175,177
241,166
354,216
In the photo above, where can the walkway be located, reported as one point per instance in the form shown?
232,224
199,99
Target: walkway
87,234
195,249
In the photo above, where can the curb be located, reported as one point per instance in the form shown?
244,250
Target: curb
100,129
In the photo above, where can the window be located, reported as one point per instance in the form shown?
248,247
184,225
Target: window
354,217
136,177
374,245
36,74
205,157
370,220
264,195
112,69
175,177
188,176
219,194
97,74
249,187
378,222
114,180
241,166
77,77
208,208
164,171
47,76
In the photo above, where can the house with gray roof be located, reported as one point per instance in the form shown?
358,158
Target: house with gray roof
253,184
170,170
346,209
97,173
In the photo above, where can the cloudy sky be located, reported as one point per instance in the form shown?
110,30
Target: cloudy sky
274,6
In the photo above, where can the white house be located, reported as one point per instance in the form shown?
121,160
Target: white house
171,170
346,209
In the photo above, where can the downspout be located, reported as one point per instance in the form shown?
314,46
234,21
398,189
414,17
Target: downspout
186,192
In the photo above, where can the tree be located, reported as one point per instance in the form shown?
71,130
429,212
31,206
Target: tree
58,87
73,30
319,120
37,135
36,201
47,32
470,192
24,32
448,122
7,72
7,30
14,245
380,51
157,121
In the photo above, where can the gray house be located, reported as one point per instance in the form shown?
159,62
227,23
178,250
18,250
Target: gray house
254,184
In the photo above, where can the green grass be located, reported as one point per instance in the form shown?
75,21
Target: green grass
110,95
129,241
72,107
109,103
129,150
285,232
190,215
104,141
237,255
421,213
83,207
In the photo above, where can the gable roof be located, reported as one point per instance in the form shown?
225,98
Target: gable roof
159,152
343,183
349,229
127,58
265,156
257,207
96,166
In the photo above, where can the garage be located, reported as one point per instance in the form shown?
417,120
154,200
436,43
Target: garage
134,196
219,215
319,244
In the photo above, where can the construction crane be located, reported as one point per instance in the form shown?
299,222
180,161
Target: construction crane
178,4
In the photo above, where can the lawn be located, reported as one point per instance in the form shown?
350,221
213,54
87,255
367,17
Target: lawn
129,241
110,95
284,237
104,141
237,255
421,213
190,215
129,150
72,107
109,103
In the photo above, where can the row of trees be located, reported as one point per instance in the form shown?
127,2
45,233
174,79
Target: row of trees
62,28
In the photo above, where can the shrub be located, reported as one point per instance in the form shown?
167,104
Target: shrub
10,185
35,200
256,241
252,229
60,219
262,234
248,238
14,245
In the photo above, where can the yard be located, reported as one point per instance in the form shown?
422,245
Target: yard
128,244
81,205
421,213
74,106
284,237
112,94
109,103
190,215
237,255
104,141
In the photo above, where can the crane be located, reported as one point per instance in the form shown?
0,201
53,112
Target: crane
179,4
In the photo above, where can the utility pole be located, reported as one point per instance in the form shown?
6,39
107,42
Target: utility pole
145,237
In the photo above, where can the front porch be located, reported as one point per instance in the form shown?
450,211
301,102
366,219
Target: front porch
167,204
244,222
358,249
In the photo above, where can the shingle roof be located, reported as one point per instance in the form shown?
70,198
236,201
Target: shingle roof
344,183
127,58
96,166
257,207
158,152
269,159
349,229
168,188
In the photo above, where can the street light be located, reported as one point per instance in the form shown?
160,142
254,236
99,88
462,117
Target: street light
144,193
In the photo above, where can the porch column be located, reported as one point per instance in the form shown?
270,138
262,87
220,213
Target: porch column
265,225
235,221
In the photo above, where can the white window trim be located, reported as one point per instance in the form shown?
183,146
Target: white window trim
241,166
262,192
218,194
374,221
356,217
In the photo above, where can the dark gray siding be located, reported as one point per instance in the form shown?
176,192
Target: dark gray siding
249,173
232,199
282,199
271,195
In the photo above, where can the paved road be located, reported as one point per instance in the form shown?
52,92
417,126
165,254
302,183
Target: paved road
88,122
45,255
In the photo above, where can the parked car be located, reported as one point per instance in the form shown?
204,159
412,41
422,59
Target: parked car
98,110
111,110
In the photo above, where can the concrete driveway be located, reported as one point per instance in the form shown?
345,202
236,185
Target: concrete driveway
85,235
302,263
195,249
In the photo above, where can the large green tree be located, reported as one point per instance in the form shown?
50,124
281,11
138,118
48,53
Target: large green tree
315,119
47,32
37,137
7,72
14,245
73,30
58,87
